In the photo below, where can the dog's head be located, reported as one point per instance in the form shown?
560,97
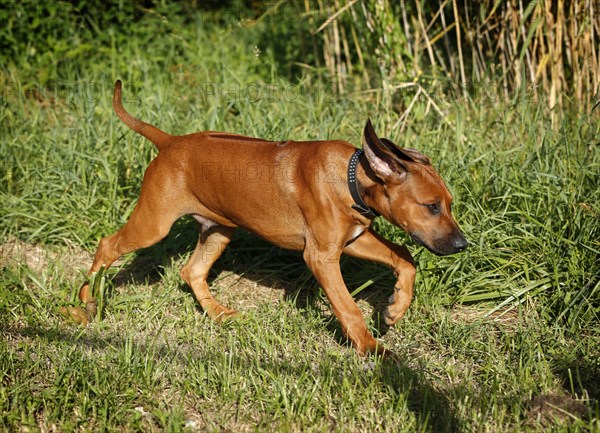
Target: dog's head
412,195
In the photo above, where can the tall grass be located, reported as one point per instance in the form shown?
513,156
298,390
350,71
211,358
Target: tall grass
548,47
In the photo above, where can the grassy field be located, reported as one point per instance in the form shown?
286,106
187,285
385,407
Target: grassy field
503,338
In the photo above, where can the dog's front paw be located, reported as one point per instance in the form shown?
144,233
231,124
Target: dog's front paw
220,313
393,314
226,315
399,303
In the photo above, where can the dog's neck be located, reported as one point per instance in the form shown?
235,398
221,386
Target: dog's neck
361,181
355,188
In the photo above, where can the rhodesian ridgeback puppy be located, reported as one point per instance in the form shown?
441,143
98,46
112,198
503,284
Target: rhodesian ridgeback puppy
319,197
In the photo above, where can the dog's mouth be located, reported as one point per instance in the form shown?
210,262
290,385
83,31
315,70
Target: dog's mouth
453,244
420,241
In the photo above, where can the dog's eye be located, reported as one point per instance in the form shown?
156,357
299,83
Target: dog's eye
434,208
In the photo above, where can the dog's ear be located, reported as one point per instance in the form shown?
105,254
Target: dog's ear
383,160
411,155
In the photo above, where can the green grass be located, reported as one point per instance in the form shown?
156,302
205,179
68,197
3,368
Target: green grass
501,338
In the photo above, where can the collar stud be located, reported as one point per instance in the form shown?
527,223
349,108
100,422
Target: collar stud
359,205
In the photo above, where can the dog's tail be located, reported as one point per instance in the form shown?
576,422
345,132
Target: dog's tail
152,133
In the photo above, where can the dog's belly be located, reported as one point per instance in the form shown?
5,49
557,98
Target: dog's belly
279,225
290,241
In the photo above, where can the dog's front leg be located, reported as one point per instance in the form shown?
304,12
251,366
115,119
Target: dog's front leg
325,265
373,247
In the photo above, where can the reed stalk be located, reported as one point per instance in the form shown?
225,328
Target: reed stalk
548,47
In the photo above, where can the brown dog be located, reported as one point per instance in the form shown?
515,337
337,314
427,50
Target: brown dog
319,197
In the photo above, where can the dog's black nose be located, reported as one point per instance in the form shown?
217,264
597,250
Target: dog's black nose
460,243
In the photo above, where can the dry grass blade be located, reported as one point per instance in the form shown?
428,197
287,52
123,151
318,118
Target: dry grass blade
334,16
461,63
550,48
425,36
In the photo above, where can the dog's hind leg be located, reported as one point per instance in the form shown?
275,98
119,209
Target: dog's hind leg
211,243
150,221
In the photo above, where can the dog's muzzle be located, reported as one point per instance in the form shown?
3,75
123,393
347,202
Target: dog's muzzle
453,244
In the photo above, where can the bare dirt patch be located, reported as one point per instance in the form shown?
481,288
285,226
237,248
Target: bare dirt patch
246,292
15,252
547,410
508,317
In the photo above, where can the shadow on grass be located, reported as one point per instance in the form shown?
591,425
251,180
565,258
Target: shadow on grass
285,270
580,377
261,262
432,409
280,269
